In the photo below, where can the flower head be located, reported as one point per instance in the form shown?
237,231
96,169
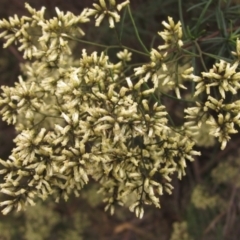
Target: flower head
110,10
172,34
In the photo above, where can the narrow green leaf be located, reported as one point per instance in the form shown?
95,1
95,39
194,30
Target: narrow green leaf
195,6
202,15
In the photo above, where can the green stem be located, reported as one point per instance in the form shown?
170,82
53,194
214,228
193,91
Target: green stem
136,30
181,17
200,55
105,46
194,64
118,37
217,57
122,24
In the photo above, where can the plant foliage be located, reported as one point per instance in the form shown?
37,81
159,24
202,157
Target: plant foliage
108,120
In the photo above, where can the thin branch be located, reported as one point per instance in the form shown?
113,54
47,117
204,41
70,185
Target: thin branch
105,46
136,30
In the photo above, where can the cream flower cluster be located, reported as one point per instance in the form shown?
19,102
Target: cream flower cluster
110,10
172,34
81,119
220,108
160,70
108,131
52,44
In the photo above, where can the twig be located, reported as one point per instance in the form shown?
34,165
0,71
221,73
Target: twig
196,169
18,56
214,222
229,211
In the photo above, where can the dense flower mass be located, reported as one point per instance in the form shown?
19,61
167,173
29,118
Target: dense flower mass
91,118
222,117
223,75
108,131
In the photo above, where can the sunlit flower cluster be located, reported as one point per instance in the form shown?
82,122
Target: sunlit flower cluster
86,119
172,35
92,118
120,140
222,117
110,10
222,76
124,55
151,69
52,44
160,70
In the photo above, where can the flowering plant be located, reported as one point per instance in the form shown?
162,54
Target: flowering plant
93,118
